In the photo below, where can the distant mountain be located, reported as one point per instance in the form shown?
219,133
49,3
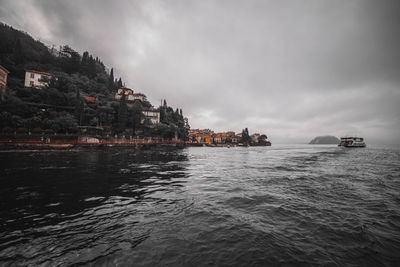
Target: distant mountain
325,140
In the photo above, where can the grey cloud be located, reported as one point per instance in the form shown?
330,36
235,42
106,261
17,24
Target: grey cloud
293,69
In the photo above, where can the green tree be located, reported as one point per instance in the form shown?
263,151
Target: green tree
79,108
74,76
111,85
122,114
136,115
65,123
85,58
70,59
119,83
246,139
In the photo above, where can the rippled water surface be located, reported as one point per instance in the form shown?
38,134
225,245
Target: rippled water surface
282,205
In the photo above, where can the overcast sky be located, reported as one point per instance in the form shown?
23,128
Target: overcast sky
290,69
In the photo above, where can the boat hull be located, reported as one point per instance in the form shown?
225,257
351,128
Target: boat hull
353,145
352,142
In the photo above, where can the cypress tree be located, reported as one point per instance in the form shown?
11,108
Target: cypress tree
119,83
112,75
78,108
136,114
85,58
245,136
111,85
122,114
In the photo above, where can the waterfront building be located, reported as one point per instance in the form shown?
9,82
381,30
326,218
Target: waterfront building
220,138
201,136
137,96
3,82
37,79
208,139
201,132
231,137
123,90
152,114
225,137
129,94
255,137
230,134
197,139
234,140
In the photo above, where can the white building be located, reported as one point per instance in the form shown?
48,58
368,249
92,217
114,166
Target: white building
152,114
129,94
36,79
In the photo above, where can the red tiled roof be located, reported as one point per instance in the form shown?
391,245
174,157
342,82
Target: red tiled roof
39,72
1,67
125,88
91,99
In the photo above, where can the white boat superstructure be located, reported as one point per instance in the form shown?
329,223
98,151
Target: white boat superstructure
352,142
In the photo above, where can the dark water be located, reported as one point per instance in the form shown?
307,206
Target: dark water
283,205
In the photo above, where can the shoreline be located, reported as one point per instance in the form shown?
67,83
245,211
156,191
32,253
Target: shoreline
86,147
84,144
43,147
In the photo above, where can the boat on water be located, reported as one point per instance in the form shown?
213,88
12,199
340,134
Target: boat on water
352,142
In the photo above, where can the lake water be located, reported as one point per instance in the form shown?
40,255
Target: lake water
286,205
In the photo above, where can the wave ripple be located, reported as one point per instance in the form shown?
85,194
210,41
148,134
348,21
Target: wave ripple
286,205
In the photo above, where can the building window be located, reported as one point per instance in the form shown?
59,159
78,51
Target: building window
31,83
32,75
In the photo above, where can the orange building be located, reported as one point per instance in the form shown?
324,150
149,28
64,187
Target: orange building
200,135
3,82
208,140
220,138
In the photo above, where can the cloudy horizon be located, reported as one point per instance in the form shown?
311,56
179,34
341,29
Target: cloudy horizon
291,69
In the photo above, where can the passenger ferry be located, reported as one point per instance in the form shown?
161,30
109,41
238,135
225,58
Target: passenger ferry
352,142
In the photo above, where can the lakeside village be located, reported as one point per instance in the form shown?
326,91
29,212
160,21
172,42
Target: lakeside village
94,134
207,137
58,98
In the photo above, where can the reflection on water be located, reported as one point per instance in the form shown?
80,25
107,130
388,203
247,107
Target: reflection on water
72,207
285,205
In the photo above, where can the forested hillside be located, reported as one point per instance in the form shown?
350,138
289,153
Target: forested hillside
80,93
